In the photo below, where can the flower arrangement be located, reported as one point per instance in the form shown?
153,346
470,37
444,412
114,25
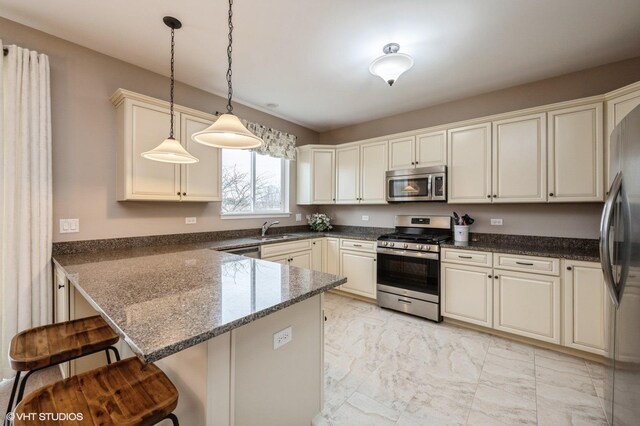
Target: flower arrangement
319,222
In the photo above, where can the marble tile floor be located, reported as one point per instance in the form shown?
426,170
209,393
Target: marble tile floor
387,368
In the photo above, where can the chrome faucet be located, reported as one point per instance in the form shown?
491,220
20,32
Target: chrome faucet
265,227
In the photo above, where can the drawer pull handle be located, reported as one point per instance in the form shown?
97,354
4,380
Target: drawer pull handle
524,263
60,285
465,257
357,245
404,301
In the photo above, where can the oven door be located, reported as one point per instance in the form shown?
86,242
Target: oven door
409,273
409,187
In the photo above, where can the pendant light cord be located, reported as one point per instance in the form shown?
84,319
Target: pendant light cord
229,51
172,85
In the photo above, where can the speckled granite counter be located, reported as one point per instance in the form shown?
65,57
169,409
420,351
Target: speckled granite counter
563,248
164,299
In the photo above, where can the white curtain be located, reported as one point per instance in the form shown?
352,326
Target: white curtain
25,195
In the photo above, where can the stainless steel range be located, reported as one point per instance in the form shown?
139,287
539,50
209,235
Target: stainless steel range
409,265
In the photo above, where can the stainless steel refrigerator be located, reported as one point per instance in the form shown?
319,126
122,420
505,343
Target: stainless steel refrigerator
620,257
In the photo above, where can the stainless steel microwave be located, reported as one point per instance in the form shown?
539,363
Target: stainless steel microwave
423,184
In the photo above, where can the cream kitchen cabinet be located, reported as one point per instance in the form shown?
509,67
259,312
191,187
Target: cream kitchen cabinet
316,175
619,103
467,293
360,269
317,251
469,163
331,256
360,173
519,167
586,305
527,304
301,259
142,123
422,150
575,170
294,253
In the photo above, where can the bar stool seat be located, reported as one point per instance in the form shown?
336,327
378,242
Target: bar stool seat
124,393
52,344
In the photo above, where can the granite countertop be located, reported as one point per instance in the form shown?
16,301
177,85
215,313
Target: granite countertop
563,248
162,300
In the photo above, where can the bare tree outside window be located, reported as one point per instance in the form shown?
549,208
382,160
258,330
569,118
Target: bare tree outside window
251,183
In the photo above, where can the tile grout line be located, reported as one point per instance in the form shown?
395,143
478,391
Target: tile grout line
484,360
600,399
535,381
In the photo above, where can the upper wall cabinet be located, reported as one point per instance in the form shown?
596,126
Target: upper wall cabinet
520,160
316,175
619,104
469,161
575,170
360,173
143,122
348,175
422,150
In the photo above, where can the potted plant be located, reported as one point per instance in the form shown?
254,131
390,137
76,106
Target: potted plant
319,222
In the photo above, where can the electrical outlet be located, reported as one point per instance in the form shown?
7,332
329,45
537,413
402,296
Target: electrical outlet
190,220
496,222
282,337
68,226
298,217
365,217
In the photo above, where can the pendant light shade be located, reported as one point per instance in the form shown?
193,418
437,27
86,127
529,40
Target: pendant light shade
171,150
228,131
392,64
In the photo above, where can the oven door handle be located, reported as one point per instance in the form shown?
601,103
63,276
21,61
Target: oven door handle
408,253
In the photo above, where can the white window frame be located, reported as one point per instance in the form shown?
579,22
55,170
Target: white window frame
284,202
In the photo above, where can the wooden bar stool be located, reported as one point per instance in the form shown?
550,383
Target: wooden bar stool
42,347
125,393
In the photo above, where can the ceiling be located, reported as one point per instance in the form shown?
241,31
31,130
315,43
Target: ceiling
311,57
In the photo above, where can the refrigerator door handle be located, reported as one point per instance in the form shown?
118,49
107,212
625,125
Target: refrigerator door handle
605,230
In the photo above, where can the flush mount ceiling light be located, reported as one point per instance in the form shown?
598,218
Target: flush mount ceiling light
392,64
228,131
170,150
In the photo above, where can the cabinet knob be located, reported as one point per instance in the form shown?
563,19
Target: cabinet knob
495,196
60,286
495,277
569,268
178,192
184,193
490,276
488,196
551,194
314,243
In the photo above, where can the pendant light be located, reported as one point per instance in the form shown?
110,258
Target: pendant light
171,150
392,64
228,131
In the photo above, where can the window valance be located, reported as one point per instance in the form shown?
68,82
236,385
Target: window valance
275,143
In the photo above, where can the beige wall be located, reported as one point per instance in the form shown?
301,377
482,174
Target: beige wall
565,220
84,142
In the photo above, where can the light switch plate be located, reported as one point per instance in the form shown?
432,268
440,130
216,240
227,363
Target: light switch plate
68,226
496,222
282,337
365,217
190,220
298,217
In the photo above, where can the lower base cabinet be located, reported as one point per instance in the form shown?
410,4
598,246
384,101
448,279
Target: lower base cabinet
527,304
467,293
331,256
302,259
360,270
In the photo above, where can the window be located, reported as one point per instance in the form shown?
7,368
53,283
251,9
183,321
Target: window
253,184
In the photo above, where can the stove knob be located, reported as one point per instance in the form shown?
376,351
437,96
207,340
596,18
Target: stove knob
419,247
392,244
386,243
405,245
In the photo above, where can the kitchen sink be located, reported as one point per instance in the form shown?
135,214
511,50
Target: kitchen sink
272,237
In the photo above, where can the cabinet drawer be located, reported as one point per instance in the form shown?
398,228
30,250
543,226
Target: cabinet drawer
289,247
359,245
540,265
467,257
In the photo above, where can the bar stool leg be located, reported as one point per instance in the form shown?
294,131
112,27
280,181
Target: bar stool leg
23,385
174,419
13,392
115,352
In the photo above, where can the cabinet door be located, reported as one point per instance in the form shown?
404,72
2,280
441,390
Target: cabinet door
617,109
348,175
520,159
146,126
316,254
402,153
61,295
527,304
469,162
373,166
323,166
467,293
283,259
199,181
360,270
331,257
301,259
585,307
431,149
575,154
